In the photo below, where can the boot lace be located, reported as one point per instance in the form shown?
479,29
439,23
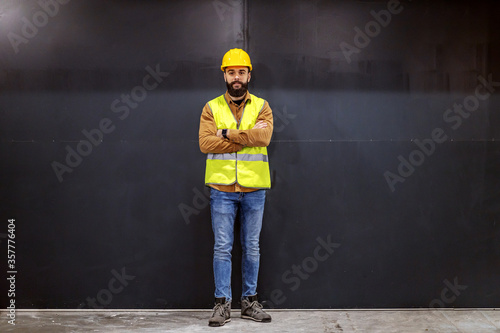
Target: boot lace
219,309
256,306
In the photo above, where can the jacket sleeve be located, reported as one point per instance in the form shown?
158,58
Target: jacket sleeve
208,139
260,137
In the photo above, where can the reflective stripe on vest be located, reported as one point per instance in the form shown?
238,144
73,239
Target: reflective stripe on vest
241,157
248,167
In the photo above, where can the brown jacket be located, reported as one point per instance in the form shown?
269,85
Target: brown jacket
237,139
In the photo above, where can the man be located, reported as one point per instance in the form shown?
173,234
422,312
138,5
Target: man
235,129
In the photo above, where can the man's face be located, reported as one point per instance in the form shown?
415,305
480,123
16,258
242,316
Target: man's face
237,78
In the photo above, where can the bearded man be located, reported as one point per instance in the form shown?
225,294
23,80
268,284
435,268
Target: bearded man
235,129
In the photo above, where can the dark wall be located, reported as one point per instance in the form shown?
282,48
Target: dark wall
384,161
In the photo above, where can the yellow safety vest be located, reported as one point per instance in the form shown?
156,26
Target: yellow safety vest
250,166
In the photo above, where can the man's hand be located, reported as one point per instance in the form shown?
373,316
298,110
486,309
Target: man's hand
219,134
260,124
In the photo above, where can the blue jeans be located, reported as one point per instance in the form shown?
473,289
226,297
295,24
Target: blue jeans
224,207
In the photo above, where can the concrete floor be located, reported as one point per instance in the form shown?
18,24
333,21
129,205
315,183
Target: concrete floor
326,321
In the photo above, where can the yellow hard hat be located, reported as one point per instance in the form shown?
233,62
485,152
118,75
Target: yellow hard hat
236,57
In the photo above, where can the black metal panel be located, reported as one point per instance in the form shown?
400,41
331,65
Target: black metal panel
365,210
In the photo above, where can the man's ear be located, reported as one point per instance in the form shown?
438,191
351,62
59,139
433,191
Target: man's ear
249,76
225,76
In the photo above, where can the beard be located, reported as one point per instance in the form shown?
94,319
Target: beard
237,92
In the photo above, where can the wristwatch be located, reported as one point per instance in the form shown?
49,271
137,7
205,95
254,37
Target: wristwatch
224,133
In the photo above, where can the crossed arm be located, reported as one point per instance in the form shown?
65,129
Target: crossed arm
212,141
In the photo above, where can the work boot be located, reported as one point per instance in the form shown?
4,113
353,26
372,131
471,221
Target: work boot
252,309
221,314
